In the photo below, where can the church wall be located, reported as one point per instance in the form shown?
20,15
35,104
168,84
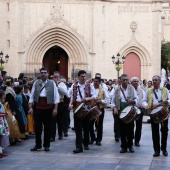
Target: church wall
104,26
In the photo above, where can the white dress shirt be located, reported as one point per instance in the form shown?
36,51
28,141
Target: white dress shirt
106,96
43,93
154,100
122,97
81,87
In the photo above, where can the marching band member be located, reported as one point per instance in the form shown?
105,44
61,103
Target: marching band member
62,90
141,93
101,101
153,98
81,92
125,95
45,98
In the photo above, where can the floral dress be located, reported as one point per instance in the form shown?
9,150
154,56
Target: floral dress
4,129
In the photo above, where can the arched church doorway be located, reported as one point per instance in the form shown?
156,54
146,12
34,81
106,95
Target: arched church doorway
56,59
132,66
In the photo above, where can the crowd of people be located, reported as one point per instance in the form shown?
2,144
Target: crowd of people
30,107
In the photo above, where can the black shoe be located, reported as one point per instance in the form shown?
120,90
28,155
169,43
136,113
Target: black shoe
86,148
165,153
46,149
131,150
73,128
98,143
60,138
35,148
116,139
52,139
78,150
69,127
137,144
156,154
65,134
91,142
123,150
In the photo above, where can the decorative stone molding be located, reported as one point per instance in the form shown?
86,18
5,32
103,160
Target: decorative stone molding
135,47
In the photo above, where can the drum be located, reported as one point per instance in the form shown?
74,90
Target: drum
138,112
95,113
159,114
82,111
128,114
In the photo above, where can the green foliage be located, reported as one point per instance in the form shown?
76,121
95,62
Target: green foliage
118,68
1,68
165,56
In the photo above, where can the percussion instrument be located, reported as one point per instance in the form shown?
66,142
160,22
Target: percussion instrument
82,110
95,112
128,114
159,114
138,112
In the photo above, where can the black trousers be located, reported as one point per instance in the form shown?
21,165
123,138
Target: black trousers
65,119
138,129
59,120
116,126
156,135
126,134
82,128
99,128
42,117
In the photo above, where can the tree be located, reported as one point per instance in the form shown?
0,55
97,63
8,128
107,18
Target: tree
165,56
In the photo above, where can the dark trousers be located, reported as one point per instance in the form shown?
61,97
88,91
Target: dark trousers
126,134
42,117
99,128
82,128
116,126
156,135
59,120
65,119
138,129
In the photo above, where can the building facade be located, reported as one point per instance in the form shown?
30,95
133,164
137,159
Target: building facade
69,35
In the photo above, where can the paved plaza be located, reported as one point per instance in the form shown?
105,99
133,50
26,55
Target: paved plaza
105,157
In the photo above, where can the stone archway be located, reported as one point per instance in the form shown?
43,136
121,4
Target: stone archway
56,59
64,37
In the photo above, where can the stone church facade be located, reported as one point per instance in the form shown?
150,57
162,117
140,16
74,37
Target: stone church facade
69,35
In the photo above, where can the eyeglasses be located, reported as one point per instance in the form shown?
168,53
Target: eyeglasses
125,79
43,72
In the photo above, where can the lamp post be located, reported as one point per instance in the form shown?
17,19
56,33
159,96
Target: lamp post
1,58
119,61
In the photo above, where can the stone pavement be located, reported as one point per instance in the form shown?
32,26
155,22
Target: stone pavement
105,157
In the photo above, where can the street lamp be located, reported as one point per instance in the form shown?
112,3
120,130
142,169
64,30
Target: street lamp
1,58
119,61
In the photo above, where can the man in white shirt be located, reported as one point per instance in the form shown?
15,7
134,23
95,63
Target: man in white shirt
141,93
125,95
81,92
44,98
101,101
154,97
61,114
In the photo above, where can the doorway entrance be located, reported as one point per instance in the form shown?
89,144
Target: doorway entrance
56,59
132,66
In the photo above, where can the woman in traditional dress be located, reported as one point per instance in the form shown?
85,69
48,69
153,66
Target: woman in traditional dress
17,127
4,129
19,102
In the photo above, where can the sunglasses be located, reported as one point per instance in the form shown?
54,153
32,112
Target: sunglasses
43,72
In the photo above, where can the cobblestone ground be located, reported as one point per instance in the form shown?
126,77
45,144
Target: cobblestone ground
105,157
